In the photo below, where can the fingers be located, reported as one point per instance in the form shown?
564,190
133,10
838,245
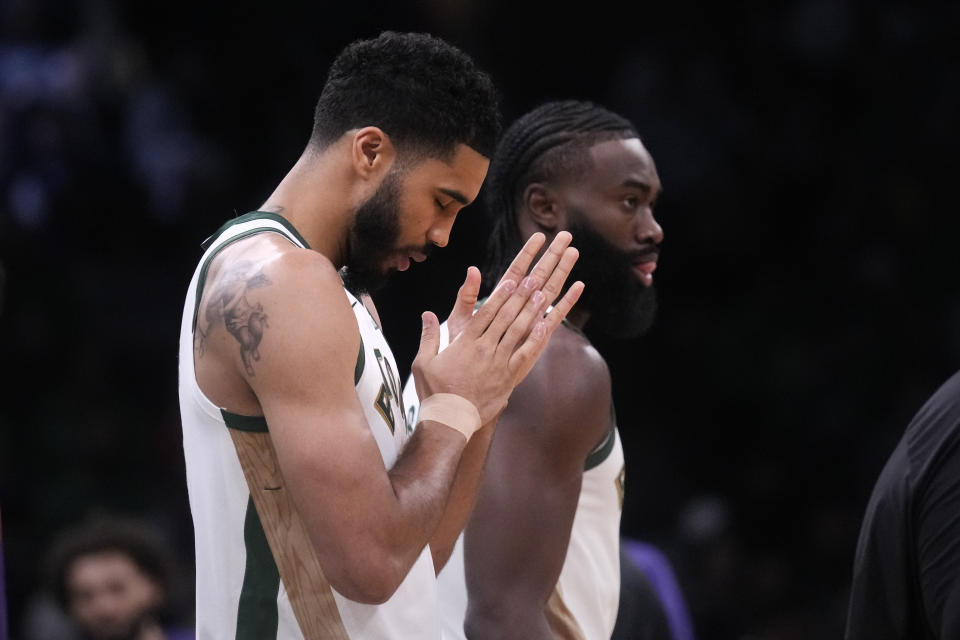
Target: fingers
515,312
465,303
526,355
562,308
521,264
429,337
546,265
520,327
554,285
482,318
508,328
501,309
429,347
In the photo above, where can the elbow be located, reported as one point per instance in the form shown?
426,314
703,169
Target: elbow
370,578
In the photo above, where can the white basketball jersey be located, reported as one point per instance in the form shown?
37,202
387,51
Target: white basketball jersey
589,585
239,591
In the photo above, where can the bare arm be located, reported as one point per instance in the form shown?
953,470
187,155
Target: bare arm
516,540
366,525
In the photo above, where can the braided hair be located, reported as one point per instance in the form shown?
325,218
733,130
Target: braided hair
548,143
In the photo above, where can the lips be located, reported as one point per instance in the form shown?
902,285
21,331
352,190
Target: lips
647,267
644,265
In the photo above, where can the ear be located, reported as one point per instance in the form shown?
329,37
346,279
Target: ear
372,152
544,207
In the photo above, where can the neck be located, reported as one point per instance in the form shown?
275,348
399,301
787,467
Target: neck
313,198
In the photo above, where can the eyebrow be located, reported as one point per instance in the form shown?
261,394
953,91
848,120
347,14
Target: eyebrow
636,184
643,186
456,195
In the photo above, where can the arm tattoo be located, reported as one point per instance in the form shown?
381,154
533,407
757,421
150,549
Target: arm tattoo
228,304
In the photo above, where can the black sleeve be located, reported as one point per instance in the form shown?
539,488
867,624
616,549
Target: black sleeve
937,517
881,602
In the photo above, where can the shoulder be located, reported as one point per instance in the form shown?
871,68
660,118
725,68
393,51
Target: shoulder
290,270
566,398
299,291
571,371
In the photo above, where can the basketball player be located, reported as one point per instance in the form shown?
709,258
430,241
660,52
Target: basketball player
315,509
541,549
906,573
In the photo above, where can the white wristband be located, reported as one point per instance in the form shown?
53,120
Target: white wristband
451,410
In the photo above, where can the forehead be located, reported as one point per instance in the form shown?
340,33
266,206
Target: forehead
618,161
463,172
99,566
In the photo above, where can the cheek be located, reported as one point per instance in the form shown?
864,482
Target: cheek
618,230
415,223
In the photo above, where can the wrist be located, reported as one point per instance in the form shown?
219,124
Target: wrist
453,411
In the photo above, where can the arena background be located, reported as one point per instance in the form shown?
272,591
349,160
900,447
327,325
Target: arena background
808,282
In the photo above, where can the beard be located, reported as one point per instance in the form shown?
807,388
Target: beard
129,630
372,238
620,305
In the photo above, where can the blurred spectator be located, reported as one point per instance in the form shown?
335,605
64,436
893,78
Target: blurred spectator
652,606
115,579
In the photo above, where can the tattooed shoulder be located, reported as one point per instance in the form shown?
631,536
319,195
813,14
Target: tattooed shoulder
227,303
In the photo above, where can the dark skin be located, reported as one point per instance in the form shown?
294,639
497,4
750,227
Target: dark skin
516,539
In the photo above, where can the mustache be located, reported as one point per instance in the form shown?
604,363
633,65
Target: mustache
641,255
426,249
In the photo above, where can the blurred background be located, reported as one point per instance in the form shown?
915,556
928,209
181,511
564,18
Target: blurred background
810,298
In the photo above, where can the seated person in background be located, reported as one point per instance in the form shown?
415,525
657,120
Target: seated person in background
652,606
113,578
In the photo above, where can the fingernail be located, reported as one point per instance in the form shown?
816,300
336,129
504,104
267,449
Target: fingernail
509,285
529,283
538,297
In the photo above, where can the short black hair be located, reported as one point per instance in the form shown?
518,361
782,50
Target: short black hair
549,143
104,535
426,94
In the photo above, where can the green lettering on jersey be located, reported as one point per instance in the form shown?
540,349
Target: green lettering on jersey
389,391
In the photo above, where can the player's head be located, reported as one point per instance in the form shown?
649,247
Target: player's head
577,166
111,576
422,109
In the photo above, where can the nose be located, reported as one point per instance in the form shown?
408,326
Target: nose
439,233
648,229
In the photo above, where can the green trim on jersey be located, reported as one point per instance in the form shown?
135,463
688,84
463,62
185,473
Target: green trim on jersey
598,455
256,215
361,361
257,615
237,422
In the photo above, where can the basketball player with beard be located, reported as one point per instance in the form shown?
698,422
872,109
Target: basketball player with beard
540,554
318,511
